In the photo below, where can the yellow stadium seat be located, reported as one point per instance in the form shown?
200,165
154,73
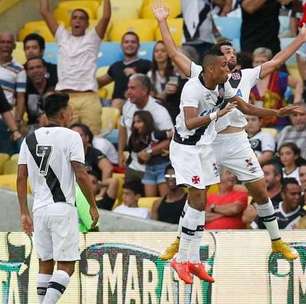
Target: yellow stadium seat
38,27
3,158
123,9
10,166
64,10
8,181
145,29
272,131
120,177
147,202
110,118
176,29
15,156
212,189
105,92
19,54
173,5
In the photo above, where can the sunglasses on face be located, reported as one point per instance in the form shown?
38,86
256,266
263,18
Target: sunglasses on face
169,175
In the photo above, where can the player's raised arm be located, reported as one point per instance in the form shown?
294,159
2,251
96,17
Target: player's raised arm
249,109
161,13
282,56
48,16
83,181
101,27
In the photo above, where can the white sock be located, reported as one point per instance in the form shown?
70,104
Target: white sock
56,287
194,254
42,284
189,226
179,230
267,213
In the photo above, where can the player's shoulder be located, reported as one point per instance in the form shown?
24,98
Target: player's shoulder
193,83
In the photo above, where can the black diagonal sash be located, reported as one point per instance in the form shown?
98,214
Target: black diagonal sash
51,179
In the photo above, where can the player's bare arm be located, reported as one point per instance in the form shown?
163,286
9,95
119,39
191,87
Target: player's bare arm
193,120
161,13
83,181
249,109
22,179
282,56
46,13
101,27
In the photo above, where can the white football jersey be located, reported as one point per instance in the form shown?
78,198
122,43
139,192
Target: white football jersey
242,82
48,153
195,94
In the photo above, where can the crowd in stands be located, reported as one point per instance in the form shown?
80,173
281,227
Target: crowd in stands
147,94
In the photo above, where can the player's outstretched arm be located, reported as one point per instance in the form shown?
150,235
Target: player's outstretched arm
161,13
249,109
101,27
282,56
48,16
83,181
26,220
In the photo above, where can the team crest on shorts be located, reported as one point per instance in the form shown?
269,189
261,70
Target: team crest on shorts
195,179
250,166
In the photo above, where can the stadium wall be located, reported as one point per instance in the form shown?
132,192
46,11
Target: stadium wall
117,268
109,221
13,19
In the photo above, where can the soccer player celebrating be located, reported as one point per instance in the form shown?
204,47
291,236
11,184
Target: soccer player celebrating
231,144
52,157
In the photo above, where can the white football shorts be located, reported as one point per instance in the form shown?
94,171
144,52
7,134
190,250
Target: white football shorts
56,232
194,166
233,151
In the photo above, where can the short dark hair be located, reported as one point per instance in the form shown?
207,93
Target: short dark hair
169,167
210,55
287,181
134,186
34,58
36,37
131,33
85,130
82,11
55,102
224,42
275,164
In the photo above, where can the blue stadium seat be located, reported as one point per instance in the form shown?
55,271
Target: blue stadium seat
109,53
51,52
229,27
146,50
284,43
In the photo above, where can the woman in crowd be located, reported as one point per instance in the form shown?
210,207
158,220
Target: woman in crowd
143,137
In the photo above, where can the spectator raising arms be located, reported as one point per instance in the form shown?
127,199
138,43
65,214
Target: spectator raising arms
77,57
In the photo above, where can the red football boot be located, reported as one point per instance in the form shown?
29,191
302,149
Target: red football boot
182,269
198,270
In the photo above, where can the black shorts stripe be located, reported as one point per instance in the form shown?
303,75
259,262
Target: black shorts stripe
51,179
41,291
188,231
61,288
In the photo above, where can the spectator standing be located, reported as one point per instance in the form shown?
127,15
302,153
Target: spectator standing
295,133
224,209
260,25
302,177
143,138
77,57
161,72
34,46
120,71
262,143
131,193
169,208
139,98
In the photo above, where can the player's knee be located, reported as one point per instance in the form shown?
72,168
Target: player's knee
196,199
68,267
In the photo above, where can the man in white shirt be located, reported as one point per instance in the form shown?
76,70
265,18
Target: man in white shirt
232,148
139,88
52,158
77,57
